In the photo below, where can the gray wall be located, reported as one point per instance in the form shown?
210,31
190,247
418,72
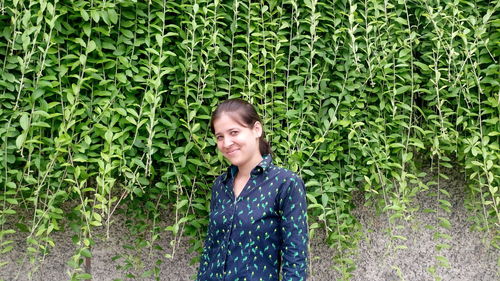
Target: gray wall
470,256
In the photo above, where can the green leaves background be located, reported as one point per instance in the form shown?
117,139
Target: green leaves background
105,104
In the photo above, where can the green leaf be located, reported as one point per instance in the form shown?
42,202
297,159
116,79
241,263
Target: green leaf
121,111
83,276
147,274
84,14
95,15
24,121
181,204
108,136
121,78
11,201
402,89
127,33
86,253
6,249
83,59
90,46
113,16
20,140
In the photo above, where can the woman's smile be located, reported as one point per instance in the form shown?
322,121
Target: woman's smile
232,152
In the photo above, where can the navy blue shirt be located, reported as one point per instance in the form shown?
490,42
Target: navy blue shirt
260,233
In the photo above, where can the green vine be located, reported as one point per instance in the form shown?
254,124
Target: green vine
104,109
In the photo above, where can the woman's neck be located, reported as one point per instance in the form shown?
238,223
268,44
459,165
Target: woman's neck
244,170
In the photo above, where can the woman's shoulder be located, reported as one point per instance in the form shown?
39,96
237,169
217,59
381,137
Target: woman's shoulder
285,174
291,185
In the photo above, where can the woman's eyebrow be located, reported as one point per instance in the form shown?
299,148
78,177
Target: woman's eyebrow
228,130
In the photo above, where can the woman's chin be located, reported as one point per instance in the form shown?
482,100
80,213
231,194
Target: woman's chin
234,160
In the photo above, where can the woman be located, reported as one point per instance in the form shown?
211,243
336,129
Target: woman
258,221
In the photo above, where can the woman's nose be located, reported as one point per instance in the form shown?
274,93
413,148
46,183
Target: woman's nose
228,142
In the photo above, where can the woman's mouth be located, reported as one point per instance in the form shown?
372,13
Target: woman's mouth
232,152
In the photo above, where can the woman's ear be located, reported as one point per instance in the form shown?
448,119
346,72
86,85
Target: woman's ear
257,128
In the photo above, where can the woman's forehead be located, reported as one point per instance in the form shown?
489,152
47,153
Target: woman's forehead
227,121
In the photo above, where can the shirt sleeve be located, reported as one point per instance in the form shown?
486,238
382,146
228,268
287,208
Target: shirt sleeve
294,231
207,246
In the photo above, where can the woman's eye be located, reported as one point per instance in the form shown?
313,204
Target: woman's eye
234,133
219,138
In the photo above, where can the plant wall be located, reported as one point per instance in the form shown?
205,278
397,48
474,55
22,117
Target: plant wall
106,104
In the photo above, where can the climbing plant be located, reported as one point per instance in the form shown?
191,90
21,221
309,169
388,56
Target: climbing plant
104,107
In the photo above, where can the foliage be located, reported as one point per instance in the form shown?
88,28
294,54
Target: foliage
106,103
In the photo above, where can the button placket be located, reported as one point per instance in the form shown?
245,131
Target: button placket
233,216
227,238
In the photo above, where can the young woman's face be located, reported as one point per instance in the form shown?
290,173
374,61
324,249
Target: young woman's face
240,145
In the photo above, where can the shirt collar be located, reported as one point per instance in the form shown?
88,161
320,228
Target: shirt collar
263,166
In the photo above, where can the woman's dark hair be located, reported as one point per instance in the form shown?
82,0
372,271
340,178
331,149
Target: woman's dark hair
247,115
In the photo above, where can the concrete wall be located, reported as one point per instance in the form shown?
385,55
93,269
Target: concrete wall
470,256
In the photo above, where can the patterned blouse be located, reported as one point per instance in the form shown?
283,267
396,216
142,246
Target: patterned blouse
260,233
